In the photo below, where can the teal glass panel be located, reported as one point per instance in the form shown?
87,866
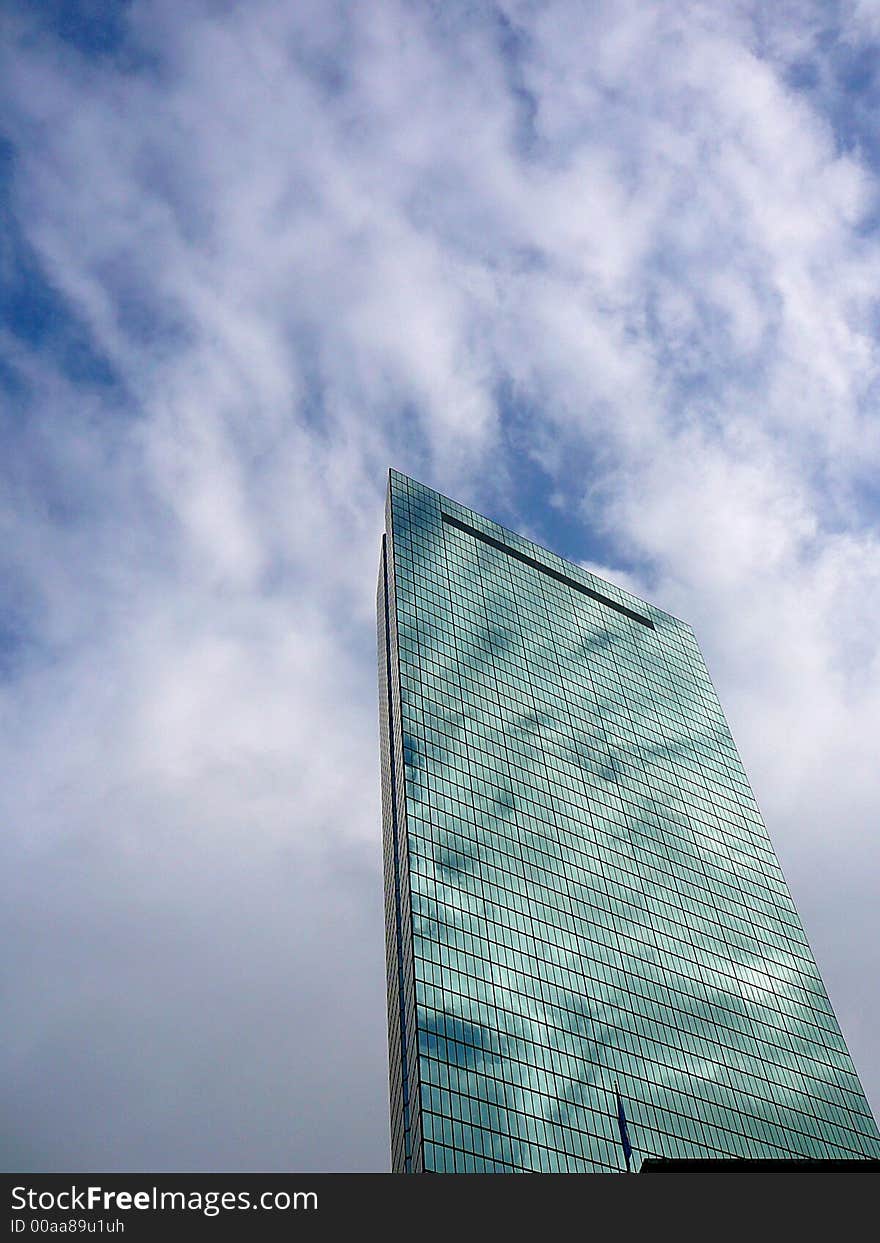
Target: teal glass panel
581,895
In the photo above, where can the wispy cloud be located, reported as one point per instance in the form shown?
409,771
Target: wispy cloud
617,263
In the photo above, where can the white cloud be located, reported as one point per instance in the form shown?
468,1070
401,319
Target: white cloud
314,242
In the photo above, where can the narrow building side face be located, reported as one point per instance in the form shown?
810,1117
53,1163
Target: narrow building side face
581,896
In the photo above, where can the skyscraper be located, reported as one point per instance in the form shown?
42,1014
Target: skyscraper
584,914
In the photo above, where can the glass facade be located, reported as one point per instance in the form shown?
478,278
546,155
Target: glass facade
581,896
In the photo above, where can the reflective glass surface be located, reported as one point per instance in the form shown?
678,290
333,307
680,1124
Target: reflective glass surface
581,896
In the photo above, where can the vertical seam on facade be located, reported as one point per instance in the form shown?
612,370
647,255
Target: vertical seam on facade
407,1139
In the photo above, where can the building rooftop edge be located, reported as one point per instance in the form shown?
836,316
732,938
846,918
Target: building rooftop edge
515,538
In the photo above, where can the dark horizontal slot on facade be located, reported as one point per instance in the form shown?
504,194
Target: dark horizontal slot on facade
536,565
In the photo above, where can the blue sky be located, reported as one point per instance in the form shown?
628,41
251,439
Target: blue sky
606,273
